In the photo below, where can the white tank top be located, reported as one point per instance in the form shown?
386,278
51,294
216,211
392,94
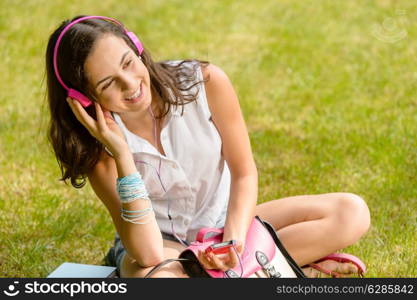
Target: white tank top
194,173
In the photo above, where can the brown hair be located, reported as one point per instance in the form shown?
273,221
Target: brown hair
75,149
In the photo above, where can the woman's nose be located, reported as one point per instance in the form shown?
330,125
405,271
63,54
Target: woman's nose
129,82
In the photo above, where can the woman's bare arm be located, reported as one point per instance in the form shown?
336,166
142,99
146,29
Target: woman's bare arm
228,119
143,242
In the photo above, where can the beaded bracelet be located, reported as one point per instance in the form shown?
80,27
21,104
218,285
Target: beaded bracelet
134,216
131,188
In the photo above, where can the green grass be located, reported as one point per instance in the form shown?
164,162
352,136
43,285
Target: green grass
330,106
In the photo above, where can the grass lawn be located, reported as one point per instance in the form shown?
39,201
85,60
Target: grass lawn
327,89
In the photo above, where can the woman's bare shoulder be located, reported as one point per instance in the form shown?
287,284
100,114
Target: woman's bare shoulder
218,86
213,73
219,90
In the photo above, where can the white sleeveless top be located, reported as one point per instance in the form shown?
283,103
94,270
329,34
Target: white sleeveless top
195,177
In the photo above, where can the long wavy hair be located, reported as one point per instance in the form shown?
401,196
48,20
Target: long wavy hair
75,149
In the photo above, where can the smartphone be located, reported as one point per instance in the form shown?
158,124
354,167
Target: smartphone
221,248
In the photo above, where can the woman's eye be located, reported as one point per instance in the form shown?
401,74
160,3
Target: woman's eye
128,63
107,85
110,82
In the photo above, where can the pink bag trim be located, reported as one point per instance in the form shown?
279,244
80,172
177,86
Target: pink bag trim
259,238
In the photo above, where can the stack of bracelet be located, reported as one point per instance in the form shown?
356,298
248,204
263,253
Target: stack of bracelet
131,188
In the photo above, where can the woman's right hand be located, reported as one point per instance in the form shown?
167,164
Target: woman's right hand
105,129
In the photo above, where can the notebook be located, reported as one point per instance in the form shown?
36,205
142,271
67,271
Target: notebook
73,270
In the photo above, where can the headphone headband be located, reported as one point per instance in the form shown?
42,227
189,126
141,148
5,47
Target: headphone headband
74,93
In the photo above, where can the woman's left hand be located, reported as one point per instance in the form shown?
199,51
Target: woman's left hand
221,262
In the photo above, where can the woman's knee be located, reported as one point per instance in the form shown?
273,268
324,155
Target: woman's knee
351,216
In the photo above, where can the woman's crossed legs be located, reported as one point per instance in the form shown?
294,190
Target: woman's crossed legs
314,226
309,226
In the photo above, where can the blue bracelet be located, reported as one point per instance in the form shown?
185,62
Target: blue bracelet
131,188
134,216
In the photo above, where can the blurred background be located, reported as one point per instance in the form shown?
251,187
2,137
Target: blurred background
327,89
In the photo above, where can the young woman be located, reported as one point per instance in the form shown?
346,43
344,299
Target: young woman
165,148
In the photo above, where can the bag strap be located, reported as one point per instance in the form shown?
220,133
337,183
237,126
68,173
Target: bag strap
203,231
161,264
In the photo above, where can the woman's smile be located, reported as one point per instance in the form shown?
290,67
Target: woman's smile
138,95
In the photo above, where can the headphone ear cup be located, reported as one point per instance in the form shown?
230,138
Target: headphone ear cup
135,41
84,101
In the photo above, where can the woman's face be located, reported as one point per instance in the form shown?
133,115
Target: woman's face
118,78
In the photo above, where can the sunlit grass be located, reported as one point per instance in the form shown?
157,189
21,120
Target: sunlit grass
329,103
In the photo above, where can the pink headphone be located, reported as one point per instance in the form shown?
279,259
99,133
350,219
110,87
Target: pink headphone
85,102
